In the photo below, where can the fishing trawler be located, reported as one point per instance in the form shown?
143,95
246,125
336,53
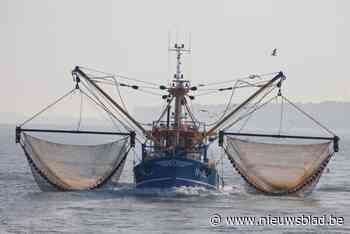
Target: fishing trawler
177,156
174,149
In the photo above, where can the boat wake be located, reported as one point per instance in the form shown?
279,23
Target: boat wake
128,189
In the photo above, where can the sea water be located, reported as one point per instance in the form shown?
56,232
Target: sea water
124,209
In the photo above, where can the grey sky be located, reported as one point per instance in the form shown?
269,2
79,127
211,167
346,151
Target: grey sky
41,41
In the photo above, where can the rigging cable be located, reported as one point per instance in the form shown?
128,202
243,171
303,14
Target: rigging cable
247,85
233,88
252,109
128,127
309,116
255,109
48,107
121,76
150,92
249,114
135,87
190,113
240,78
137,80
119,93
118,84
110,114
80,110
98,71
225,110
227,106
95,103
281,116
236,86
165,109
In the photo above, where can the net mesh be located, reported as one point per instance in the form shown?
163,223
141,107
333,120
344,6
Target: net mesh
74,167
278,168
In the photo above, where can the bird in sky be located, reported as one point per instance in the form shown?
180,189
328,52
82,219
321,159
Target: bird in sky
274,52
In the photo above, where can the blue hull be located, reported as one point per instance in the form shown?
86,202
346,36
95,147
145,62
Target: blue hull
170,172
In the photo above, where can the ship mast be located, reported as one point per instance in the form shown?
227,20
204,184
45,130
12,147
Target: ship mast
180,87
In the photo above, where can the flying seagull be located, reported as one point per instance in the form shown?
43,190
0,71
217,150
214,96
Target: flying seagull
274,52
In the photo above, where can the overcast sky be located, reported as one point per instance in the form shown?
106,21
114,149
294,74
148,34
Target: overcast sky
41,41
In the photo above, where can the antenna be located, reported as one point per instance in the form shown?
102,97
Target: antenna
183,41
169,40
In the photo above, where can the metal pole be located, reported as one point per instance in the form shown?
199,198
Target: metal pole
71,131
335,139
277,136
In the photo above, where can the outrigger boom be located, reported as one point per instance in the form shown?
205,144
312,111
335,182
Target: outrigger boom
78,71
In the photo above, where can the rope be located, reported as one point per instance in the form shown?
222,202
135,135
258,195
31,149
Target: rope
165,109
133,79
104,107
119,93
254,110
309,116
150,92
250,114
110,114
120,76
190,113
48,107
131,86
127,127
108,82
223,113
95,70
236,86
227,105
246,85
281,117
241,78
97,105
207,93
80,111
